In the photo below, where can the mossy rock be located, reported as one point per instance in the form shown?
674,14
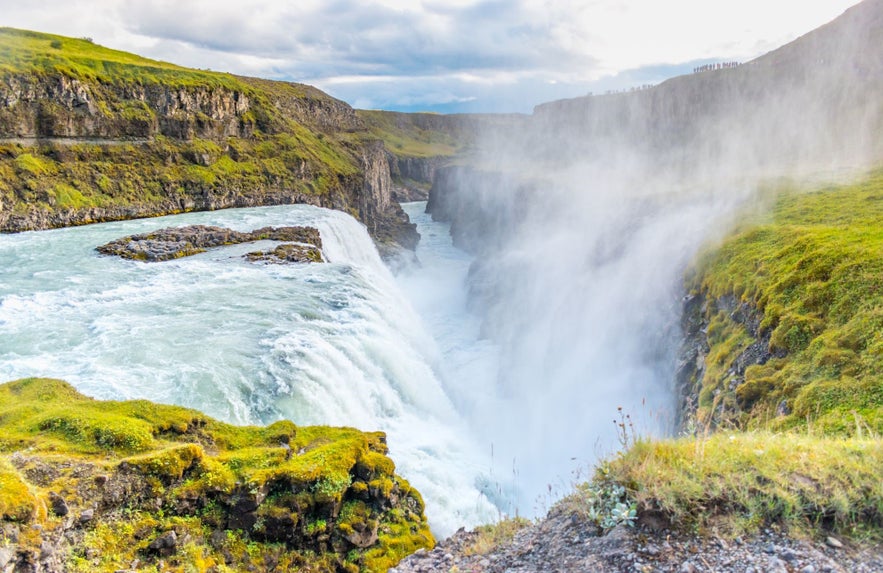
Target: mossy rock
17,502
315,498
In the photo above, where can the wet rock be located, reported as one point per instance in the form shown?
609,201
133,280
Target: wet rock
363,535
288,253
176,242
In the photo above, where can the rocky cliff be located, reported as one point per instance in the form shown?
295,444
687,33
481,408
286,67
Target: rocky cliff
90,134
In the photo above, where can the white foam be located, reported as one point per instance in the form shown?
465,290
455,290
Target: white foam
336,343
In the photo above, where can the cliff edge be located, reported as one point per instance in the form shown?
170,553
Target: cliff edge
90,134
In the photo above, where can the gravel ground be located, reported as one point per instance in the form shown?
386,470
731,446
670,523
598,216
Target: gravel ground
561,543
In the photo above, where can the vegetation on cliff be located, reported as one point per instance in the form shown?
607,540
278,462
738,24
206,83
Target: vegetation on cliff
810,272
788,407
90,134
140,486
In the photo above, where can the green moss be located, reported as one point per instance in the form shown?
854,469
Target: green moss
157,175
66,197
812,267
17,503
34,165
169,463
187,473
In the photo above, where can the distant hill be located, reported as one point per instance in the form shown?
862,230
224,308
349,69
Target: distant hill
818,99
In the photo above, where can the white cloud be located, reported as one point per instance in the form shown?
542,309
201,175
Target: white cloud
468,43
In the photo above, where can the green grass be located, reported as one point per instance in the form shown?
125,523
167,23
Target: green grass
185,471
734,483
795,443
417,135
17,502
813,268
23,51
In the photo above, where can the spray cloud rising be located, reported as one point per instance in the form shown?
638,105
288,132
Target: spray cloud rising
584,216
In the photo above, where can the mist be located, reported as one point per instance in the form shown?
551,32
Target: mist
584,217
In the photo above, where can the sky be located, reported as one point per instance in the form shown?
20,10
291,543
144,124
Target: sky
437,55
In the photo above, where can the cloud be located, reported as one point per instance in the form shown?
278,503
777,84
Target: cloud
526,45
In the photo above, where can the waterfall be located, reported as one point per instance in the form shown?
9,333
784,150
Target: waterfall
333,344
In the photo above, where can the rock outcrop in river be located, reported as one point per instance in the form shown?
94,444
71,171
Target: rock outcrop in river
177,242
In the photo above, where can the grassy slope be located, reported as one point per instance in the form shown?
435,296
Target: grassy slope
60,177
53,439
814,268
23,51
406,136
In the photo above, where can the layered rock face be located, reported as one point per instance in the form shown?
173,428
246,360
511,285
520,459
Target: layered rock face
134,138
63,107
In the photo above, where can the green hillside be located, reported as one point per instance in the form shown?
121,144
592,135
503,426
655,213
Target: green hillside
416,134
813,271
23,51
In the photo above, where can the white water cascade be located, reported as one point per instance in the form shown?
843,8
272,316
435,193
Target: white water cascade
335,343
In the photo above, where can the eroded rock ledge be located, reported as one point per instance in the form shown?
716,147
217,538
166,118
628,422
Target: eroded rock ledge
176,242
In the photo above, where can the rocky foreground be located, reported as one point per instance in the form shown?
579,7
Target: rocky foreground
303,244
564,543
